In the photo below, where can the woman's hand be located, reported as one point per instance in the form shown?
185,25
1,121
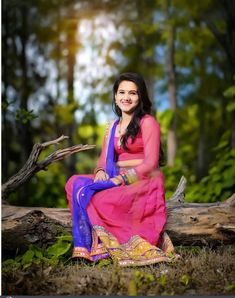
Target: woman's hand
101,176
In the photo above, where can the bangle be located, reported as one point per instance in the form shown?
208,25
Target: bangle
96,170
129,176
124,177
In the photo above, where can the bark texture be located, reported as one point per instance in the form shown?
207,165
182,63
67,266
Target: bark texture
188,224
33,166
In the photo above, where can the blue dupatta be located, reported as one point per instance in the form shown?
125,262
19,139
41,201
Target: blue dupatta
83,190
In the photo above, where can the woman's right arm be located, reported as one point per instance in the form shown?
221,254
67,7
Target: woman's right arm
99,171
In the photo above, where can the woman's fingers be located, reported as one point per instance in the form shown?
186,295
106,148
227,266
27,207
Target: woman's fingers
101,176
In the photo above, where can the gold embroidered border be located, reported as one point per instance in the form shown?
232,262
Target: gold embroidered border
81,252
135,252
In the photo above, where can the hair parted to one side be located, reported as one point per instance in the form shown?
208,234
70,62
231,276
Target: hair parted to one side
144,107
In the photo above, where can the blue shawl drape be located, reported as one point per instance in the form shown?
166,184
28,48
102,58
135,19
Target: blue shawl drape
83,190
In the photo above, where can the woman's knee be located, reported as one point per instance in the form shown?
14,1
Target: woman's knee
69,190
69,185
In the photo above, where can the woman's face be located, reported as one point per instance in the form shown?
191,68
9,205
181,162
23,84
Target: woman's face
127,97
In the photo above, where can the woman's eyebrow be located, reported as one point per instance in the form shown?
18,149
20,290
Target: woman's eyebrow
132,90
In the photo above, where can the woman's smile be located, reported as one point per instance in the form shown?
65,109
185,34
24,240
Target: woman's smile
127,98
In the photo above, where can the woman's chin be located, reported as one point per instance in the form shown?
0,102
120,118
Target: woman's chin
128,110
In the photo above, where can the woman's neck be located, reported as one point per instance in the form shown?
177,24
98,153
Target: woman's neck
126,118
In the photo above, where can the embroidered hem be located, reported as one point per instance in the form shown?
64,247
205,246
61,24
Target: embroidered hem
137,251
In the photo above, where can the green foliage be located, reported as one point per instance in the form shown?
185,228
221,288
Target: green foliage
200,64
50,256
172,178
230,92
61,247
105,262
162,280
165,118
184,279
231,288
25,116
140,280
49,187
220,182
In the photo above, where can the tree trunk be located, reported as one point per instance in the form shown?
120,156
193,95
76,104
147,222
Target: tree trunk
71,42
171,75
201,159
188,224
226,39
24,129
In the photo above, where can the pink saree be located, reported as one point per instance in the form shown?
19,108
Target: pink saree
124,222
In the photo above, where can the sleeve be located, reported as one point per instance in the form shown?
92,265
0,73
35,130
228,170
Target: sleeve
151,139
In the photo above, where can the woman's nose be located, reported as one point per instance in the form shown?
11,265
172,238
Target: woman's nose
127,96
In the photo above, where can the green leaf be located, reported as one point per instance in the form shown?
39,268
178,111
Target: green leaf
162,280
65,237
230,92
231,106
184,279
231,287
59,248
38,254
27,257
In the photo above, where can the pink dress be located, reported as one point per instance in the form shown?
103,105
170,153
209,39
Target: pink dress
132,217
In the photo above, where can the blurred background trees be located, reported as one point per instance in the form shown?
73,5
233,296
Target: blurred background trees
59,61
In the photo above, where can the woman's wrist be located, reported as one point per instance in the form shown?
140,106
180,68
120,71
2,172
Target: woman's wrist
120,179
96,170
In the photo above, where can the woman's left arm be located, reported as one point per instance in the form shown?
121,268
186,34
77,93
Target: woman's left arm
151,140
150,130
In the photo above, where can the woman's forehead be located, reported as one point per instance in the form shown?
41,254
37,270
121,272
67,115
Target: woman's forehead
128,85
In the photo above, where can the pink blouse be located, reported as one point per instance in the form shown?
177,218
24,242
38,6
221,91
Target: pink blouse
146,146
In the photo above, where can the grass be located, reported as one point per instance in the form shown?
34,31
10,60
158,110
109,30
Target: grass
200,271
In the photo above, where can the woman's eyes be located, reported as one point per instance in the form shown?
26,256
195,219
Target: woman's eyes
131,93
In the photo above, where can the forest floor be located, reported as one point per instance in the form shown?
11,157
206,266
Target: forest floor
199,271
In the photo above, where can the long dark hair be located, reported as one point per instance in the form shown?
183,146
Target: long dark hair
143,107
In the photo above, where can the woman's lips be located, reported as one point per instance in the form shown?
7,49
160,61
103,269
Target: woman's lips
126,102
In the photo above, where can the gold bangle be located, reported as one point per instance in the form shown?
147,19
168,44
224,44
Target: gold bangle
131,176
96,170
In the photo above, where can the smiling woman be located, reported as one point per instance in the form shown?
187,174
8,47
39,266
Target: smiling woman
120,211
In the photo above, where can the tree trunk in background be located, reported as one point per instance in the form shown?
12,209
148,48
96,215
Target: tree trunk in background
201,162
171,76
24,129
25,136
71,60
5,141
233,129
227,41
150,86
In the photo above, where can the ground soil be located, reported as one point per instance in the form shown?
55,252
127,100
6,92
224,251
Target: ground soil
199,271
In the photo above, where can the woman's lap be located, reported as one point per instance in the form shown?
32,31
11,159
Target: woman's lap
125,211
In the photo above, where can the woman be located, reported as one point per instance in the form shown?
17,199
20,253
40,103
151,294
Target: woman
120,211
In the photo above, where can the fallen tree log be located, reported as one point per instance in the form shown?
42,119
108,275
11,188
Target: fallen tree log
188,224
